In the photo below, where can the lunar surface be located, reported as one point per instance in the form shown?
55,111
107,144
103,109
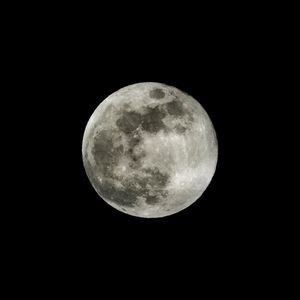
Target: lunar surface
150,150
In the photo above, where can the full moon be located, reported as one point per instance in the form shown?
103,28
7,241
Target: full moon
150,150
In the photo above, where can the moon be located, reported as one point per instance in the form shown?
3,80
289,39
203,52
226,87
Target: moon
150,150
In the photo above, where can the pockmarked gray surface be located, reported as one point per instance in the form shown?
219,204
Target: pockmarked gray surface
150,150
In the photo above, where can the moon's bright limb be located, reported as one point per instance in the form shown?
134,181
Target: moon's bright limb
150,150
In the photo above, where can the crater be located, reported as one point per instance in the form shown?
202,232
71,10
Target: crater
157,94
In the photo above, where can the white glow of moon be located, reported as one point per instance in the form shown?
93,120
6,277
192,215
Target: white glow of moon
150,150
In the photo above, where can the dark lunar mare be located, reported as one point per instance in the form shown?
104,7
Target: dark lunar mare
107,157
105,154
152,121
175,108
129,121
157,94
152,182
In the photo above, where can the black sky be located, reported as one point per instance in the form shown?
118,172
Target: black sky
62,62
220,68
220,80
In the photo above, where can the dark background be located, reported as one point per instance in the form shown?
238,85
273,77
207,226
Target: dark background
225,83
225,66
62,62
